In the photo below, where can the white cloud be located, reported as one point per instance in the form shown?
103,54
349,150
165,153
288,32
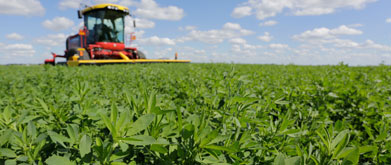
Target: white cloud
150,9
268,23
240,12
326,33
372,45
188,28
239,41
144,23
245,50
73,4
344,30
324,39
388,20
266,37
128,3
355,25
145,8
52,40
157,41
9,52
77,27
14,36
278,46
232,26
314,11
106,1
215,36
326,46
270,8
21,7
58,24
140,23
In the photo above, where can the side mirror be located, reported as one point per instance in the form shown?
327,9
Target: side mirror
79,14
134,23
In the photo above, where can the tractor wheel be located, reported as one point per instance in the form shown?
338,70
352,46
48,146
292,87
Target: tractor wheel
141,55
70,53
74,51
49,63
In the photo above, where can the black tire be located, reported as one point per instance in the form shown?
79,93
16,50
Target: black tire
49,63
70,53
141,55
74,51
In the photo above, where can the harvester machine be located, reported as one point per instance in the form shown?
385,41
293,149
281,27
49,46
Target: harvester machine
102,40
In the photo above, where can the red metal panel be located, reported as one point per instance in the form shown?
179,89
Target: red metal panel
111,45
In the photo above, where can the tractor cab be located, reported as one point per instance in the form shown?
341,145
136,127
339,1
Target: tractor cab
105,25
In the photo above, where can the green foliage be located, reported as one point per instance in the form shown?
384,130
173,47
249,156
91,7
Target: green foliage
195,114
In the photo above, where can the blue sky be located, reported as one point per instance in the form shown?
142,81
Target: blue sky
305,32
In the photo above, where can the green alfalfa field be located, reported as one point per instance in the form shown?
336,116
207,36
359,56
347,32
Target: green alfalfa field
195,114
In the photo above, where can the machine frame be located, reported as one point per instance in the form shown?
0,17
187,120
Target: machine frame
87,47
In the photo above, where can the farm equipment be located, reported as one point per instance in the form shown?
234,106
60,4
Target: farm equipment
102,40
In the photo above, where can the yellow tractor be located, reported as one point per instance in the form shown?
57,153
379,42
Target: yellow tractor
102,40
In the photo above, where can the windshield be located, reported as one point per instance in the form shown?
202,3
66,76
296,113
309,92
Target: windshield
105,26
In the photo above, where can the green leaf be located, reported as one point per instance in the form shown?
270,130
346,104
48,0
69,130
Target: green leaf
325,142
7,114
118,163
365,149
24,136
279,160
162,141
108,124
122,121
345,152
5,137
71,133
188,131
85,145
159,148
114,113
352,158
31,129
43,105
118,156
341,141
7,153
123,146
338,138
141,124
281,102
209,138
219,148
58,160
142,140
151,102
27,119
285,122
293,161
58,138
10,162
381,137
39,147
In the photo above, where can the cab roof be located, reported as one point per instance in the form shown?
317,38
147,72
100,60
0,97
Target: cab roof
106,6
